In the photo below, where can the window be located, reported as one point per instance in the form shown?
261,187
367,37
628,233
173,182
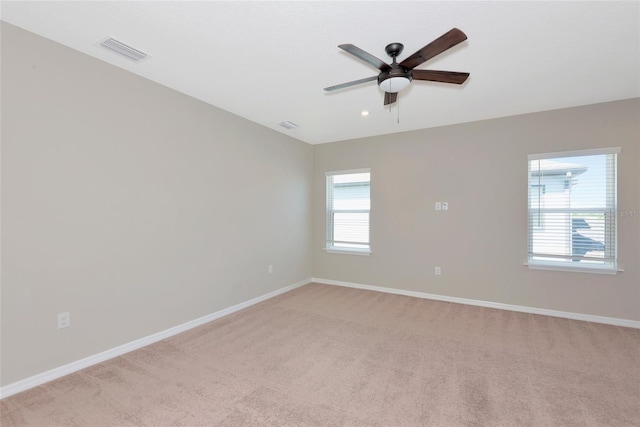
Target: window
348,208
572,210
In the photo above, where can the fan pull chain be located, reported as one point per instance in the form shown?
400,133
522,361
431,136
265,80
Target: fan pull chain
398,102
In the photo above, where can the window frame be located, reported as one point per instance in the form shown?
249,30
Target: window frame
330,212
609,212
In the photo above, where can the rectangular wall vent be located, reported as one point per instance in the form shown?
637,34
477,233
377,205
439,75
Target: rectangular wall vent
123,49
288,125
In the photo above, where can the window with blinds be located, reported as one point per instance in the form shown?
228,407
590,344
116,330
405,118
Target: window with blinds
348,206
572,209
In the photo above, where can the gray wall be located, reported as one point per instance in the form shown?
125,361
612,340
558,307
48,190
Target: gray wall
132,206
480,169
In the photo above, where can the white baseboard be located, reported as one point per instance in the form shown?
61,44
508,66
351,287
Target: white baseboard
69,368
524,309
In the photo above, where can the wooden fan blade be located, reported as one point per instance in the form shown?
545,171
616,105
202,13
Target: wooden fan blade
440,76
365,56
348,84
390,98
436,47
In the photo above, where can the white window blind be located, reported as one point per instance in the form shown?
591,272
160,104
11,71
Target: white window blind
348,206
573,208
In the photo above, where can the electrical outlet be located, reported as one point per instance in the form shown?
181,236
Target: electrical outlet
64,320
438,271
445,206
270,269
438,206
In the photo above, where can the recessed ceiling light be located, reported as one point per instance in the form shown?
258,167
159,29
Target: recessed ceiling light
364,113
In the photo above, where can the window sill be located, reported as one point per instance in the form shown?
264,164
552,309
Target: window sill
576,269
348,251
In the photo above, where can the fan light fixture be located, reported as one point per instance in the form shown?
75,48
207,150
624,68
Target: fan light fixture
394,84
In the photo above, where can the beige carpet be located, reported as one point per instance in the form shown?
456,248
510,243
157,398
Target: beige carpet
331,356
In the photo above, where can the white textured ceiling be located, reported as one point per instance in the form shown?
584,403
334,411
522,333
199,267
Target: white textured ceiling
268,61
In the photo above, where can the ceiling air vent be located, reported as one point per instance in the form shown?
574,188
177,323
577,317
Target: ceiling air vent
124,49
288,125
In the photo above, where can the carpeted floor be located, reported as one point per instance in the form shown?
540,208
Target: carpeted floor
331,356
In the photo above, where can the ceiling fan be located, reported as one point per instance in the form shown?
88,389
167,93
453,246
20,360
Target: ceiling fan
394,77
